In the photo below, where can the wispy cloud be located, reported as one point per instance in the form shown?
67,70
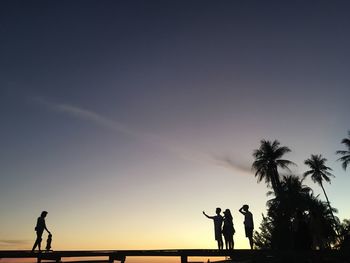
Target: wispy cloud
232,163
87,115
236,164
10,243
171,146
103,121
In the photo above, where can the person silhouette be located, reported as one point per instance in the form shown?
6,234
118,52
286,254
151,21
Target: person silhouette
217,227
48,242
228,230
40,227
248,223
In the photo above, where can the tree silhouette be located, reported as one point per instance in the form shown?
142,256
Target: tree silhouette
345,235
277,229
295,196
346,153
263,238
319,172
325,215
295,216
284,207
268,160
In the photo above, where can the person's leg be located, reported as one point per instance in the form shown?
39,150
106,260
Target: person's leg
221,244
249,235
37,241
251,242
40,234
35,244
39,244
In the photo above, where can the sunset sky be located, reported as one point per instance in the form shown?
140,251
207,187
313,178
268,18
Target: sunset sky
117,116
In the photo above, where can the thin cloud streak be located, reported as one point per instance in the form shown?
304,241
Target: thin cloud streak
87,115
100,120
233,163
230,163
168,145
7,242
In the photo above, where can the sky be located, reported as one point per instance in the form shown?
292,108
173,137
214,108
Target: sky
117,117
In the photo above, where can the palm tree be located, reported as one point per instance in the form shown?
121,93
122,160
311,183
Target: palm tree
295,196
268,160
323,224
345,154
276,230
282,210
319,172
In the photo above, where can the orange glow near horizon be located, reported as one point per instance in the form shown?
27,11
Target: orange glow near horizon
129,259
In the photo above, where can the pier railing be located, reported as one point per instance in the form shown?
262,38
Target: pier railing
110,256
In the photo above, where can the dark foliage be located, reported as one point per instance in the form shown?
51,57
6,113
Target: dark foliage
345,159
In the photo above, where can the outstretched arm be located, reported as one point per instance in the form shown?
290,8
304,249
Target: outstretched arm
46,228
211,217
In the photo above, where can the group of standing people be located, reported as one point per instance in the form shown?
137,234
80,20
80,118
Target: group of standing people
223,226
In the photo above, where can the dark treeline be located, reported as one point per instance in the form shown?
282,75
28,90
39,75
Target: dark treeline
296,218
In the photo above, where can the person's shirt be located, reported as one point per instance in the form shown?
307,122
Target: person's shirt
248,220
228,223
40,225
228,220
217,222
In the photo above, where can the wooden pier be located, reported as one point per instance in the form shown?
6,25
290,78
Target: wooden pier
237,255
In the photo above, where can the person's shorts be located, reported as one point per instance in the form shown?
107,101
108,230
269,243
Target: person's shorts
218,236
248,232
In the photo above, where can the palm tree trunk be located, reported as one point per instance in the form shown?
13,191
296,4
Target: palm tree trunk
278,187
330,209
274,185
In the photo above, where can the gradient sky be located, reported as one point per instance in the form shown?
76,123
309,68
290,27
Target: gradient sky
116,115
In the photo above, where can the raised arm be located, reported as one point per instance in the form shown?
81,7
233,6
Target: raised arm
210,217
242,211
